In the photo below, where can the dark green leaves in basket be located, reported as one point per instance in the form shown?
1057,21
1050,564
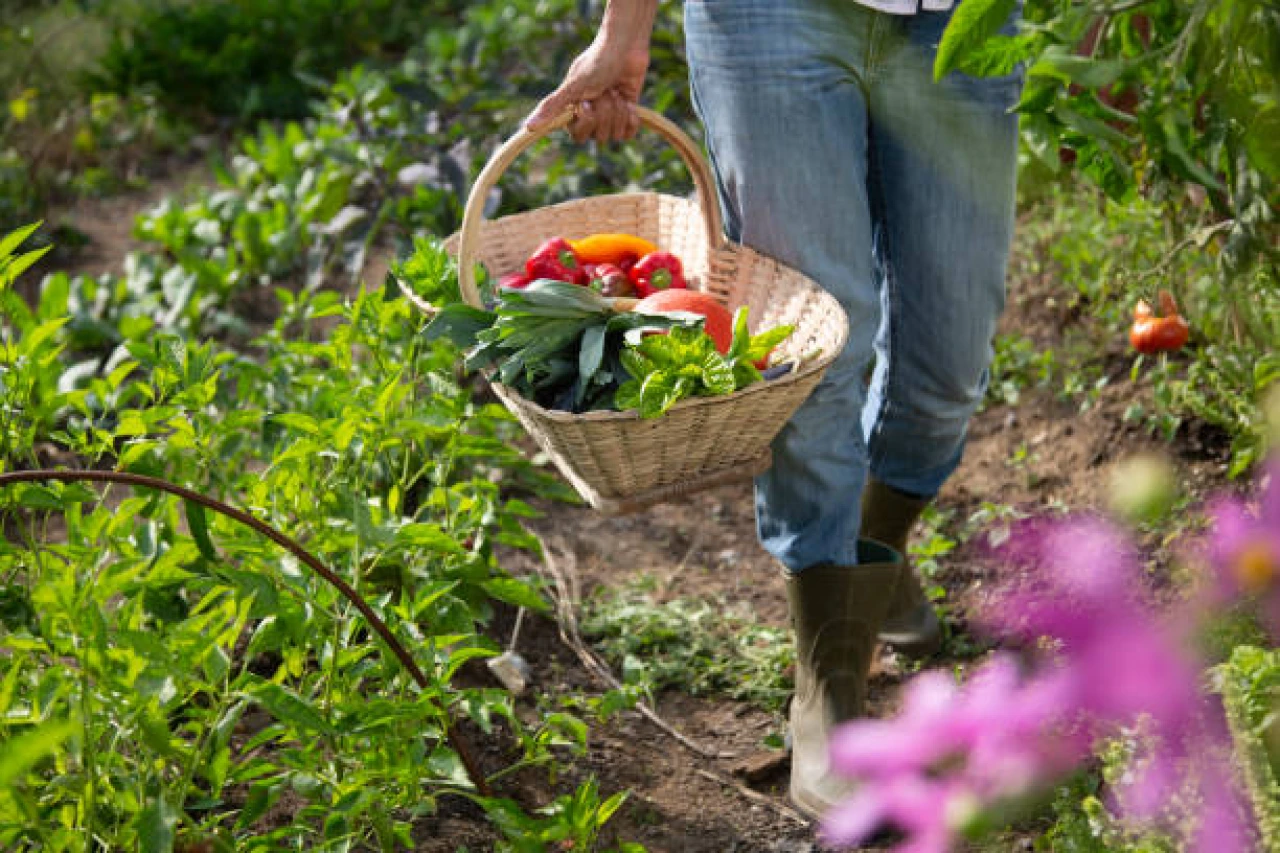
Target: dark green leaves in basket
556,344
665,369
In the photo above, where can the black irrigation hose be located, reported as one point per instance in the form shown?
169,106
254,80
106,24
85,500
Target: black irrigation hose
456,740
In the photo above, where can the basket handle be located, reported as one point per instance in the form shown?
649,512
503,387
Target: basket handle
473,214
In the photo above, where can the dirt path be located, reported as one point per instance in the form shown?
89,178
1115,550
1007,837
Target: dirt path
107,222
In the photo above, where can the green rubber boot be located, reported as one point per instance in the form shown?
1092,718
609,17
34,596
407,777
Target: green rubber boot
912,626
836,612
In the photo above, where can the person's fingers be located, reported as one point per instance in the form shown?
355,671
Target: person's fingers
585,122
619,110
632,125
551,106
606,118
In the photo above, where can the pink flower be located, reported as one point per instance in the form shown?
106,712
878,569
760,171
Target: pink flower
923,809
1222,827
1243,550
951,751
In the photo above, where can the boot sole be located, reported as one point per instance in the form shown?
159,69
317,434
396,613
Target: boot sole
917,647
918,644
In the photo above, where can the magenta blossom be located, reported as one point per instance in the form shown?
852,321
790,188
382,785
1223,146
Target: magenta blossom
1103,663
951,751
1243,550
1079,586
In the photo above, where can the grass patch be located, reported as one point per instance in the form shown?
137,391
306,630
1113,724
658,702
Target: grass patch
697,646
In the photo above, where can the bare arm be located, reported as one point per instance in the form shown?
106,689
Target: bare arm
604,82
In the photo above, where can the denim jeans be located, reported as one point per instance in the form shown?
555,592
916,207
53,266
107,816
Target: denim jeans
837,154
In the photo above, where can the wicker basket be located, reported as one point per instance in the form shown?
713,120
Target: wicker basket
617,461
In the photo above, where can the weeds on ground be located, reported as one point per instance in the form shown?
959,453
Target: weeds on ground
695,645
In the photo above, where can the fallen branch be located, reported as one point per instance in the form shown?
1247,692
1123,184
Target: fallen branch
755,796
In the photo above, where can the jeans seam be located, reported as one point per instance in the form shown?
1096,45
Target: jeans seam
890,283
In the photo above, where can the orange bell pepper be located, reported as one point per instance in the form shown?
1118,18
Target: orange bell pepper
611,248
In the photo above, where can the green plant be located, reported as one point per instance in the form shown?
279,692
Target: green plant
572,822
252,58
1250,685
1168,107
149,634
692,645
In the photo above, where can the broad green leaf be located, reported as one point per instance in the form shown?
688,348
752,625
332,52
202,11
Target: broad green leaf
973,22
741,334
430,537
297,421
517,592
717,375
745,373
763,343
198,524
45,331
660,391
1041,140
592,352
156,823
999,56
288,707
1096,129
1060,63
609,806
636,364
21,753
627,396
1191,168
460,323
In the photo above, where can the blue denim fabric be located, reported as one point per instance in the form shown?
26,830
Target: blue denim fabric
837,154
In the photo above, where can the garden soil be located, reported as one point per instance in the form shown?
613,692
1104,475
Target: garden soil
1044,454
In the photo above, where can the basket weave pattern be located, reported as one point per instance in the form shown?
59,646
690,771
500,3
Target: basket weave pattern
617,461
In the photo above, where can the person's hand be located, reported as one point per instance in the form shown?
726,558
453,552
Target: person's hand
603,86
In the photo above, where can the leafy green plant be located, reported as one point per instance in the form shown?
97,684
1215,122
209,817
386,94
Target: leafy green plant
251,58
1250,685
1168,107
555,343
1017,365
666,369
573,822
147,635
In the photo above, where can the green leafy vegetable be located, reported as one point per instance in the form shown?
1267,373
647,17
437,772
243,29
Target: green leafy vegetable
555,343
666,369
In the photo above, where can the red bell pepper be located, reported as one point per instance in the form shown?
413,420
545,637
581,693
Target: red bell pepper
556,259
657,271
610,280
514,281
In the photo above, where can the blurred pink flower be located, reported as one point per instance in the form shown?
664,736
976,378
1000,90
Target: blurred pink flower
951,750
1243,550
1222,821
1103,662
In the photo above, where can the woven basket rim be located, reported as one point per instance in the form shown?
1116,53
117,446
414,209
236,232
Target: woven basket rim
450,243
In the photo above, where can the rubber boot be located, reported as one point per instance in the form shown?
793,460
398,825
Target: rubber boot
835,613
912,626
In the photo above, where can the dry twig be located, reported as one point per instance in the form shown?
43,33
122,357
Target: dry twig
567,597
